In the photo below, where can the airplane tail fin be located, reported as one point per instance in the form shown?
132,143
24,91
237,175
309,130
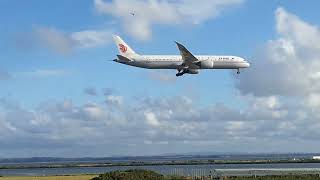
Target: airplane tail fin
123,48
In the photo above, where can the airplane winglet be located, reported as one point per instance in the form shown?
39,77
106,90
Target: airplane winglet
180,46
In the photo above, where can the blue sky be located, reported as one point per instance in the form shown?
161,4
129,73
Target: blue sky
240,31
54,66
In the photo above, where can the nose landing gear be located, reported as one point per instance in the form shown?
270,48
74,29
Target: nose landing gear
238,71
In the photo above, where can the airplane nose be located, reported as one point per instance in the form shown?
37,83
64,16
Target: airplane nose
246,62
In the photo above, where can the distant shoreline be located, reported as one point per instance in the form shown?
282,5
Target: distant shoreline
169,177
141,163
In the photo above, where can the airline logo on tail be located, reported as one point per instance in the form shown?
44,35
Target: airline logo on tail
123,48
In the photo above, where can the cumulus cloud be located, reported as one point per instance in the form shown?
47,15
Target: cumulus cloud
282,86
91,38
151,119
94,111
293,28
156,124
65,43
147,13
289,65
114,100
280,90
152,12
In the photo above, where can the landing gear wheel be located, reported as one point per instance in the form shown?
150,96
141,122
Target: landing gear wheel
180,73
238,71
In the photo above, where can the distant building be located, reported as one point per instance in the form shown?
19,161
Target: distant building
316,157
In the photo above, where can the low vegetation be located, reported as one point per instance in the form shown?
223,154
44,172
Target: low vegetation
283,177
135,174
71,177
150,175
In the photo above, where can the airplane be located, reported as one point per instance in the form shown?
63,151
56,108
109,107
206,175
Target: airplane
186,63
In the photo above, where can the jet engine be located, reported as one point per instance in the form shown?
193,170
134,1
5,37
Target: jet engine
207,64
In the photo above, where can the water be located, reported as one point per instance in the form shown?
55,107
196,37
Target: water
186,170
159,159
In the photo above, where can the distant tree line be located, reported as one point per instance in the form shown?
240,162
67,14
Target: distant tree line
279,177
135,174
139,174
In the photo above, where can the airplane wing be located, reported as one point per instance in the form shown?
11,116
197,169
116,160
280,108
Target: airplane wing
188,58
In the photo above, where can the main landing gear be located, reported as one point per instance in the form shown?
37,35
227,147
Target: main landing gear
179,74
238,71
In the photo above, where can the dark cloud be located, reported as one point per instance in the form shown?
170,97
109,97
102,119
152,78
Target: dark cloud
91,91
108,91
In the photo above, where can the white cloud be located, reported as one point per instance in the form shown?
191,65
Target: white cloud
54,39
151,119
91,38
152,12
313,101
289,65
157,121
94,111
302,33
271,102
65,43
282,87
235,125
44,73
115,100
281,91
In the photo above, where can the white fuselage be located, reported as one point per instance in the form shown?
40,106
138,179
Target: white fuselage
184,63
175,61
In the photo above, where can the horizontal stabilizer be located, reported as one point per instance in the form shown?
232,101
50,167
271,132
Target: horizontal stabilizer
124,59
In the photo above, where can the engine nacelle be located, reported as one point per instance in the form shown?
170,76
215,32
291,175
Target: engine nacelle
206,64
192,71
